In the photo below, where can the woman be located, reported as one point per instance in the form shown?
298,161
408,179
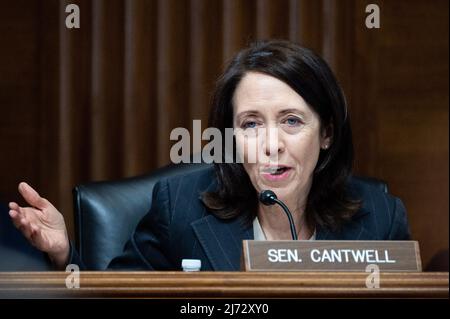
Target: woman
284,100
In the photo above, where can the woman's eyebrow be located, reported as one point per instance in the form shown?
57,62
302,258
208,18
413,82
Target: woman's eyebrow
292,110
246,113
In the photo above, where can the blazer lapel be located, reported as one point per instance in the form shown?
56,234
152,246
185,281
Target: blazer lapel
222,240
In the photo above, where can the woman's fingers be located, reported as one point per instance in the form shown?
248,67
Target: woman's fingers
14,210
31,196
24,219
31,213
13,206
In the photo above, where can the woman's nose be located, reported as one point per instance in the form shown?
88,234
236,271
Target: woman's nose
273,143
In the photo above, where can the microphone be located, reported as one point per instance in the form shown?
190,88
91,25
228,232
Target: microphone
269,198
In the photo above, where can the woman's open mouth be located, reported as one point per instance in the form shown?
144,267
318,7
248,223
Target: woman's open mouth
276,173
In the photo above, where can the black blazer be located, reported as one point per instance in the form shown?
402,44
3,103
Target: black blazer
179,226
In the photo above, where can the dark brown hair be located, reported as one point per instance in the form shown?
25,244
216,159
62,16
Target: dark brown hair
328,203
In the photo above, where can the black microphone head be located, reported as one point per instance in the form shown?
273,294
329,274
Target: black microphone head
267,197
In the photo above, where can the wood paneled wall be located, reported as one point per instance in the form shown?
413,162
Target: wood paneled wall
99,102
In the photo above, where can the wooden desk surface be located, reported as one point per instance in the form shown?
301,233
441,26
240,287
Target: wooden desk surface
222,285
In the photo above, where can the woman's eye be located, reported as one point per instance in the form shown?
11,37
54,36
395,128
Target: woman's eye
249,124
293,121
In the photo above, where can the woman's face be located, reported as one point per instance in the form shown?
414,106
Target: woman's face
278,134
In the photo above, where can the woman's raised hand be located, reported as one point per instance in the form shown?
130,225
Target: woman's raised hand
42,224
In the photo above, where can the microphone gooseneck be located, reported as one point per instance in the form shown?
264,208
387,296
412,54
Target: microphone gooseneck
269,198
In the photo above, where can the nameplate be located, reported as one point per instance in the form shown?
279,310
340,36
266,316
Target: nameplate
324,255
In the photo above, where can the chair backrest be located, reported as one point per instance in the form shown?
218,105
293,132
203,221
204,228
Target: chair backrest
16,254
106,213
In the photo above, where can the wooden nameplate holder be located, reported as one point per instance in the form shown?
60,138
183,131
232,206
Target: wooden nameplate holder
323,255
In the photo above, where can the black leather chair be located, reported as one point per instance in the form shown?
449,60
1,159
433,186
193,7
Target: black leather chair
16,254
106,213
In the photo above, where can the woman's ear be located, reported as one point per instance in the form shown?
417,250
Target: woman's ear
326,138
